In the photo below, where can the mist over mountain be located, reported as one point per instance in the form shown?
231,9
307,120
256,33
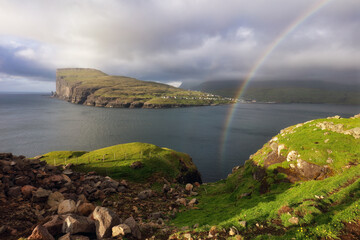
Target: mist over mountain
284,91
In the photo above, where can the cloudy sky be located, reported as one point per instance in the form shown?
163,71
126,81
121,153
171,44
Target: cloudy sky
176,40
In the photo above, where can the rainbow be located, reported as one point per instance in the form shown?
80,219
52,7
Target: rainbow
260,61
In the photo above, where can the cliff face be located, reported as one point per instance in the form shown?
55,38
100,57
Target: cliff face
94,88
69,90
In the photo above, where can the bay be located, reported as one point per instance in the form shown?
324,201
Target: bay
33,124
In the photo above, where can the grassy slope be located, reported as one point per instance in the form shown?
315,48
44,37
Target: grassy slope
115,161
302,95
223,204
131,89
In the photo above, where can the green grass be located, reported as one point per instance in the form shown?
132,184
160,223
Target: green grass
115,161
322,206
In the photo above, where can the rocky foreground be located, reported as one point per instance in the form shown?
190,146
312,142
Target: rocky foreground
39,201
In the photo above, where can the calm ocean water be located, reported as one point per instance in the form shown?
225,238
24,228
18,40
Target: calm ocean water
32,124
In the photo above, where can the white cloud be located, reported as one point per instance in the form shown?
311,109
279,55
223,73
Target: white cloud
174,83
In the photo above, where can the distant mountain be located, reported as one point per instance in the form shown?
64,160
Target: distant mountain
94,88
295,91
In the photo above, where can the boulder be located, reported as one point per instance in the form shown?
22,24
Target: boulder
54,226
67,206
120,230
145,194
105,219
85,209
55,199
40,233
135,229
78,224
311,171
40,195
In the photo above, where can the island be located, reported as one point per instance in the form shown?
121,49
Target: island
92,87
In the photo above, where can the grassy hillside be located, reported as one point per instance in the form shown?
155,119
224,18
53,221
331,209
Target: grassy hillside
303,184
116,161
286,91
93,87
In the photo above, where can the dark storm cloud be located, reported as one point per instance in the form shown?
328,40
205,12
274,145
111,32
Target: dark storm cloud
181,40
13,63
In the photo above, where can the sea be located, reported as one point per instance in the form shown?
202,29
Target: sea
34,124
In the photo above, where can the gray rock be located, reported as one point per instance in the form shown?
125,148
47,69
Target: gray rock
55,199
54,226
78,224
40,195
135,229
105,219
145,194
67,206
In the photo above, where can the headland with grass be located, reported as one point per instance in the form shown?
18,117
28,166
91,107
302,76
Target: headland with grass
304,183
92,87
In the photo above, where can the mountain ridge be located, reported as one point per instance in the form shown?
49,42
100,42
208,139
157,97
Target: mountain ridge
281,91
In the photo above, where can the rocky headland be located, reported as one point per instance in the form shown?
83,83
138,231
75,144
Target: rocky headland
92,87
